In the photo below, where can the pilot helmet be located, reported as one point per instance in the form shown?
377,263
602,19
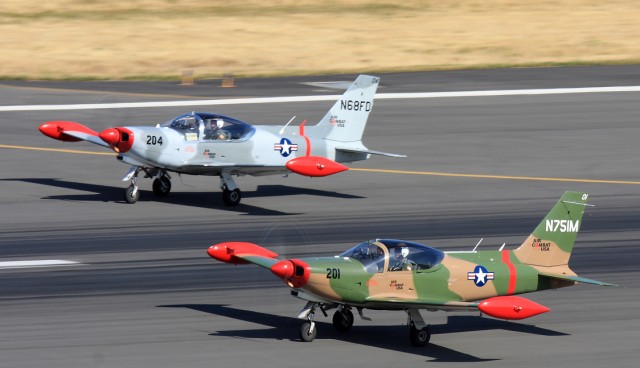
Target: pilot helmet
405,252
219,123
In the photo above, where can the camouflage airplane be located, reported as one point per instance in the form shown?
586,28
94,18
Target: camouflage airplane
387,274
217,145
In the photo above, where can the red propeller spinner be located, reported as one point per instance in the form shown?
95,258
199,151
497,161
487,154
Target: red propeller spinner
120,139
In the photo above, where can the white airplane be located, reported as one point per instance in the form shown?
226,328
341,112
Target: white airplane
216,145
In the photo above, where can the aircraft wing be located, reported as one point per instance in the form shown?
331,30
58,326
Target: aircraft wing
576,279
243,253
368,152
69,131
261,261
87,137
396,303
209,168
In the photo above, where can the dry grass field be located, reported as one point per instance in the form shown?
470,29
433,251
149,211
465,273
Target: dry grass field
115,39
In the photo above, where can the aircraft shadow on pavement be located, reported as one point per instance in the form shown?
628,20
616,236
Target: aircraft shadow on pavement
104,193
388,337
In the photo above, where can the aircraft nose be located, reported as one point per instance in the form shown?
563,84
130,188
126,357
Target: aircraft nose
110,136
294,272
283,269
120,139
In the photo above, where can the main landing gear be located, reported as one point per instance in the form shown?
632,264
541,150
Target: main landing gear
231,194
419,331
342,319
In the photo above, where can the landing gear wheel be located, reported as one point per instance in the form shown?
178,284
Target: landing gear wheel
131,194
307,334
231,197
421,337
161,186
343,320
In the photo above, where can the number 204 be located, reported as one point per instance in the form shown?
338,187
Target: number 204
153,140
333,273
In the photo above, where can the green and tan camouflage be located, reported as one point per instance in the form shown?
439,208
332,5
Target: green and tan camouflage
391,274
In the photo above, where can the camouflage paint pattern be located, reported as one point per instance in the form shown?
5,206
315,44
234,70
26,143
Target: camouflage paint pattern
512,272
367,275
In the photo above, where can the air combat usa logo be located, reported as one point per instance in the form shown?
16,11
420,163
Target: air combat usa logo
285,147
480,276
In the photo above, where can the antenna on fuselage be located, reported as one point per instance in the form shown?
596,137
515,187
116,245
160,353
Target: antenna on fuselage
474,248
286,125
502,247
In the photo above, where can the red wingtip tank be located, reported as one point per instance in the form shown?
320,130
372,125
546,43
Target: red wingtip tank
120,139
225,252
314,166
56,129
511,307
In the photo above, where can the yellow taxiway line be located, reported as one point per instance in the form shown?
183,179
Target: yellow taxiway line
56,150
401,172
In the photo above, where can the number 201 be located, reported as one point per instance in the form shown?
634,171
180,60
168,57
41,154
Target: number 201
333,273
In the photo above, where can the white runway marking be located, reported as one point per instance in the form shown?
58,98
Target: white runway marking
38,263
379,96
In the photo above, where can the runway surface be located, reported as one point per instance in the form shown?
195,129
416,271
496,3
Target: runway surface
143,292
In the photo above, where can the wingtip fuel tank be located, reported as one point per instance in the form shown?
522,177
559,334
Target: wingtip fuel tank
511,307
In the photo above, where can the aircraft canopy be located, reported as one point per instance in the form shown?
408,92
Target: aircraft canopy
397,255
208,127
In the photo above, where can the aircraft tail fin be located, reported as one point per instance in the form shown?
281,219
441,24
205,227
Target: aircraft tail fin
551,243
347,118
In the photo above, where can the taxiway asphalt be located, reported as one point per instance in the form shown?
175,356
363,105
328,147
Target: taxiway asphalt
145,294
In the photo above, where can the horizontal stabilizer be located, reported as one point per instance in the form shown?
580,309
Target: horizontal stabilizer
368,152
583,280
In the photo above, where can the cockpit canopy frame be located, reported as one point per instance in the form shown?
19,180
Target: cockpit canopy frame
374,254
205,127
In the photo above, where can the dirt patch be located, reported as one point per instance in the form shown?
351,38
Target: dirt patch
156,38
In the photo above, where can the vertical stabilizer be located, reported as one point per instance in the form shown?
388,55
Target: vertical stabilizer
346,120
551,242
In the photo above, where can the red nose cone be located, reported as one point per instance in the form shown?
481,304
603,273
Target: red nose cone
283,269
110,136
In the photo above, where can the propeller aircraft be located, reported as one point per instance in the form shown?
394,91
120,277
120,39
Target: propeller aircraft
211,144
388,274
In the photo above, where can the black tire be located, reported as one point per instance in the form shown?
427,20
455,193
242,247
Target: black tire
419,338
231,197
305,335
161,186
130,197
343,321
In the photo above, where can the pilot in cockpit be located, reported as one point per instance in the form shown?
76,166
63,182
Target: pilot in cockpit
221,134
400,261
